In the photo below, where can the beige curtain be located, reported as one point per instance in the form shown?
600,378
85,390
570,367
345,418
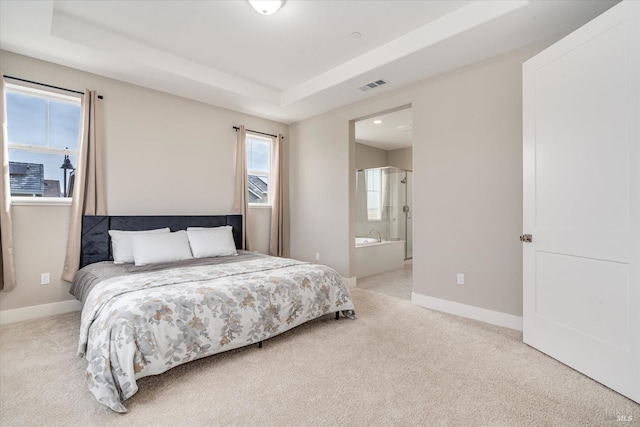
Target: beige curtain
89,189
240,202
276,239
7,267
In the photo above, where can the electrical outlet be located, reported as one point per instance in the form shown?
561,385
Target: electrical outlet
460,279
317,256
45,279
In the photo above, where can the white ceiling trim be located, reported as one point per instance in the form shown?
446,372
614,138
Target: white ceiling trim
454,23
74,30
466,34
71,29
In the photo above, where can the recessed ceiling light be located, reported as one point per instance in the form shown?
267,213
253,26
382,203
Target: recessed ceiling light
266,7
377,122
356,35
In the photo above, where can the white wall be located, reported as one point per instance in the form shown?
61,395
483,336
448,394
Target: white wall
320,171
164,155
468,185
169,155
467,163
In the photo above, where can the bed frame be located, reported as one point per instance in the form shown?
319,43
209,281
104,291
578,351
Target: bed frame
96,242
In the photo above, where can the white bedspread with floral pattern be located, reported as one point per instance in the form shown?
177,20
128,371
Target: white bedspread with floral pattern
144,324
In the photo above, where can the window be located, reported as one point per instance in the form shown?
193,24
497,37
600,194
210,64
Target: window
258,169
374,194
43,130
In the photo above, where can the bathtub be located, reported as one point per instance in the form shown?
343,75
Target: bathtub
373,257
361,241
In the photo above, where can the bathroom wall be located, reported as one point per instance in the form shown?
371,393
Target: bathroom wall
370,157
401,158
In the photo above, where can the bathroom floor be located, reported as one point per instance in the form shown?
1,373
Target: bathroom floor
396,283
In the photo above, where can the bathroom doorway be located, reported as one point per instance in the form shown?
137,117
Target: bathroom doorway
384,202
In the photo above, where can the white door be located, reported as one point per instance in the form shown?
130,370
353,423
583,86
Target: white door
581,120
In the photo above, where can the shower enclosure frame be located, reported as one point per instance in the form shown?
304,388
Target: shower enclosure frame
394,220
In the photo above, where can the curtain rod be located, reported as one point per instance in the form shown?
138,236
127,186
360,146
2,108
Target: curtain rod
255,131
46,85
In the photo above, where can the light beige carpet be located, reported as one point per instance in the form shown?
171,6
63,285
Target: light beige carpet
398,364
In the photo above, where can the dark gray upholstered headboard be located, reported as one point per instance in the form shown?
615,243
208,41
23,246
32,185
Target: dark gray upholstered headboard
96,242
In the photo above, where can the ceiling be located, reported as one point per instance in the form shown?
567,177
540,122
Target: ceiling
299,62
387,131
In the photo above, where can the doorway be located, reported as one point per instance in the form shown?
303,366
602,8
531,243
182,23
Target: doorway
383,202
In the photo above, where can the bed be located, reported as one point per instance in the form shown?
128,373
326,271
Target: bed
141,320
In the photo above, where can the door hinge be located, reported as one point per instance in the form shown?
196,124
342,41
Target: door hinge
528,238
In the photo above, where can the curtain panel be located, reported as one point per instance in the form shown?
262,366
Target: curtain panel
7,266
240,202
89,188
276,234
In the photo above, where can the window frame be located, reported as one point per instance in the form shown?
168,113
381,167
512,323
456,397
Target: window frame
269,141
49,96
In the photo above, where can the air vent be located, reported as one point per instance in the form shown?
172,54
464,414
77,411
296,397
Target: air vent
373,85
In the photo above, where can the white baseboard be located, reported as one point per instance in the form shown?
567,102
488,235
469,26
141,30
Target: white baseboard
350,282
469,311
38,311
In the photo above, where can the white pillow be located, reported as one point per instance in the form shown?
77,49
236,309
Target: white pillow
121,243
160,247
211,242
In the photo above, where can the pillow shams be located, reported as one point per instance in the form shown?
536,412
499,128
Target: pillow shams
121,243
211,242
160,247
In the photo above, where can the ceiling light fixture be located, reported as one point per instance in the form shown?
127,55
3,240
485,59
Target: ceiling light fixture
377,122
266,7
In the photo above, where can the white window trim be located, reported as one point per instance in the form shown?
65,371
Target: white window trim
40,201
43,150
54,96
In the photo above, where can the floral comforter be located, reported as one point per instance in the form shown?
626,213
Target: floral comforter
144,324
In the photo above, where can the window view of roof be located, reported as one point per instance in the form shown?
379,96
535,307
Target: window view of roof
27,179
258,189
